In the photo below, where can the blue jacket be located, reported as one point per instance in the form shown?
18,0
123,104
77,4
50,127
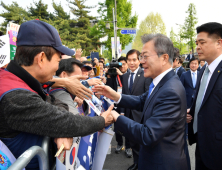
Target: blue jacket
186,80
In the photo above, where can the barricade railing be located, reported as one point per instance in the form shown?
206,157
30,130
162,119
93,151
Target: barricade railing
27,156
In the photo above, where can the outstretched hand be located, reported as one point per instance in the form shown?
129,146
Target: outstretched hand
106,91
74,86
107,116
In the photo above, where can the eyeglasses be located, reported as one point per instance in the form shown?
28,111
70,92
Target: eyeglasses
145,57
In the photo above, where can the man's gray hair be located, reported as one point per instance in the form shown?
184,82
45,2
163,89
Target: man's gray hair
162,44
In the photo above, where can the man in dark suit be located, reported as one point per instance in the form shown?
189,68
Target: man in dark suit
202,63
134,83
189,56
180,70
189,80
162,128
205,128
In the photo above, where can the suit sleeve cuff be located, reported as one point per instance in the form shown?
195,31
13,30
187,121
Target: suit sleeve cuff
118,100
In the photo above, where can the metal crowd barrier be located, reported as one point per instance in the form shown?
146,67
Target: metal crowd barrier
42,155
27,156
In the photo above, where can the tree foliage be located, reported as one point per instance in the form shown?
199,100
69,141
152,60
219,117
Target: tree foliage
125,19
152,24
189,32
77,32
178,41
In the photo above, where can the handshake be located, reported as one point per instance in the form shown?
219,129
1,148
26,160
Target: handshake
110,116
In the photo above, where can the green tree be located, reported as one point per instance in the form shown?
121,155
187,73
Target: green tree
178,41
152,24
39,10
59,11
13,13
80,28
125,19
189,32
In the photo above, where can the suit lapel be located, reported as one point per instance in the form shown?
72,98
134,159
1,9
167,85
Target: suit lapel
212,81
190,78
138,75
126,82
160,84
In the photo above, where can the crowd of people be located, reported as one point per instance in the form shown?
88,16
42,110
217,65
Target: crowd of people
159,104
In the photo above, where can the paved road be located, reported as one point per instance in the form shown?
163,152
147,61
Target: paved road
121,162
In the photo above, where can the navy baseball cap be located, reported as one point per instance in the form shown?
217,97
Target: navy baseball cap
39,33
87,67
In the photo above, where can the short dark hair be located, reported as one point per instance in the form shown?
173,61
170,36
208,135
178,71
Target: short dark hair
176,54
67,65
192,59
102,59
25,54
180,61
201,60
130,52
212,28
122,58
87,62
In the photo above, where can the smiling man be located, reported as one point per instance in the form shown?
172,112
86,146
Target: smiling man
27,112
162,128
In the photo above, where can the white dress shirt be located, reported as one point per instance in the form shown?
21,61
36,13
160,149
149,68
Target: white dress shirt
212,68
135,72
159,78
192,75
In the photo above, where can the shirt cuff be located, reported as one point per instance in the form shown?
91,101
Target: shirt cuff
118,100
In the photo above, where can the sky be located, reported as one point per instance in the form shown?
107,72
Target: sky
173,12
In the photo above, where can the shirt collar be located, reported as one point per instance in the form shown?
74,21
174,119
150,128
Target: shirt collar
159,77
193,72
20,72
214,64
135,71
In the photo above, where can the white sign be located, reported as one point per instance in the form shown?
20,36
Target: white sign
4,50
92,106
102,148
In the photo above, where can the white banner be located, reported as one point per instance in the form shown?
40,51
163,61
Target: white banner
102,147
4,50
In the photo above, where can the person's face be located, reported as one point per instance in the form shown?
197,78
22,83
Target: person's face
153,65
85,72
124,66
133,62
77,71
194,65
207,47
91,71
48,68
101,66
175,63
202,63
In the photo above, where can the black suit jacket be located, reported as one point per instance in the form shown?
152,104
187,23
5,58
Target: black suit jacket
189,57
140,86
187,82
162,129
209,135
180,71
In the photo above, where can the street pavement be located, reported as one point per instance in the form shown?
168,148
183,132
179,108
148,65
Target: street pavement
121,162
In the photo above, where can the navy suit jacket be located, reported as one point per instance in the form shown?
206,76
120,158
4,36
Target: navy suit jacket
140,86
162,129
209,125
187,82
180,71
